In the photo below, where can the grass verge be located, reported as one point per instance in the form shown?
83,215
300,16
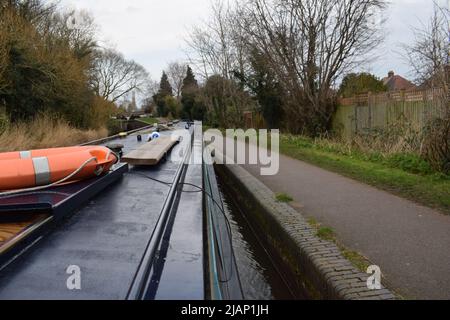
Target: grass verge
328,234
404,175
45,132
148,120
359,261
283,197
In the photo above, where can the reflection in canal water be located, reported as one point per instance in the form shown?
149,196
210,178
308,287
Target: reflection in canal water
261,280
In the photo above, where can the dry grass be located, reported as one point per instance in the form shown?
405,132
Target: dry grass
45,132
400,137
405,174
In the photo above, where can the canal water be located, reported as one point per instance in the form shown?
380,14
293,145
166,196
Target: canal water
261,276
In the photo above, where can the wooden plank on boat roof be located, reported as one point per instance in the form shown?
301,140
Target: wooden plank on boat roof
151,153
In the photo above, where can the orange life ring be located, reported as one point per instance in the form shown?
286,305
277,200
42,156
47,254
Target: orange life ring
28,169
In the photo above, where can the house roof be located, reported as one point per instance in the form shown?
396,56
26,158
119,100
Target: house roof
395,82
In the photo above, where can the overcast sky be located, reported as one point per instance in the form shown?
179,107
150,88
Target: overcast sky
152,32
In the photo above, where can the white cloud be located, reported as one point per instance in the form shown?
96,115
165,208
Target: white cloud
402,16
152,32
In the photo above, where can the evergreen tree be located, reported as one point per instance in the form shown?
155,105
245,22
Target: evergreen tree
189,81
359,83
268,90
165,90
189,93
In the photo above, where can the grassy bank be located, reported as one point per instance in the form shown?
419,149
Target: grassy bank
149,120
403,174
45,132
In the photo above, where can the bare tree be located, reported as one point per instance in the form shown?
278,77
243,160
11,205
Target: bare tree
216,47
33,11
176,71
76,28
309,44
151,88
81,34
429,55
114,77
217,52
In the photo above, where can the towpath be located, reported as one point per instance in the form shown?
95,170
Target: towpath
410,243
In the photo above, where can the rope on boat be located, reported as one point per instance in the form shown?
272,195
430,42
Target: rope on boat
54,184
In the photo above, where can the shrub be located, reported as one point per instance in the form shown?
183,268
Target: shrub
46,67
436,145
4,121
399,137
99,113
114,127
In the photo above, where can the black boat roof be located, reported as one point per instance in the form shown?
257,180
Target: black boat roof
108,237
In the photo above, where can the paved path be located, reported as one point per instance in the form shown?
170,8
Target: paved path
410,243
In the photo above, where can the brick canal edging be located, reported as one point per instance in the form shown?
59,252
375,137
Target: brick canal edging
318,264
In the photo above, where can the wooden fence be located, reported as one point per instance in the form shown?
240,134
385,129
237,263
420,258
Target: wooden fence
367,112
